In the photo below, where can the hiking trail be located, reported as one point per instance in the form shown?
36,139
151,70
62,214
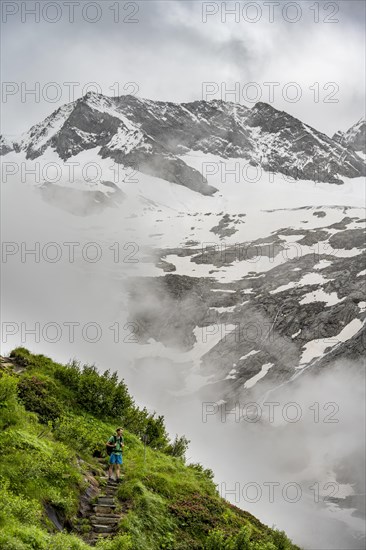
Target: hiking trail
104,519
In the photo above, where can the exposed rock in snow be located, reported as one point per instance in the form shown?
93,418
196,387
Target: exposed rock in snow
5,145
152,135
354,138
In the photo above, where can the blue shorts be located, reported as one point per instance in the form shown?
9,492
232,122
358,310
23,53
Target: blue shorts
115,458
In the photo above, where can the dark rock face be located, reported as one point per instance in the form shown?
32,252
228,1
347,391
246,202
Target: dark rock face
314,237
348,239
98,127
56,516
151,136
5,146
223,228
354,138
167,267
298,150
266,318
123,130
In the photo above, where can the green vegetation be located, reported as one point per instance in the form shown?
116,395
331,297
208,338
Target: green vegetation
54,421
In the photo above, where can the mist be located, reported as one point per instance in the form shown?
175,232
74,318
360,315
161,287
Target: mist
294,457
85,259
260,466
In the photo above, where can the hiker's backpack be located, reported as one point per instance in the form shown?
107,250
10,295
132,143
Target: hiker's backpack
111,449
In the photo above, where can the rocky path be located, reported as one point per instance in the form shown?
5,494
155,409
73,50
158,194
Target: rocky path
105,519
104,515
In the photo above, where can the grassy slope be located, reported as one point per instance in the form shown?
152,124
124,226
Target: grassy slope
166,503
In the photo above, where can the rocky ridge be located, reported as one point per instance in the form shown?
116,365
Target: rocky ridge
152,136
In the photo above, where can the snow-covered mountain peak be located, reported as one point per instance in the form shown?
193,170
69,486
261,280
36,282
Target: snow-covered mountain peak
36,140
153,136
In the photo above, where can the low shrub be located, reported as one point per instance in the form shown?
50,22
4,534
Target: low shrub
39,396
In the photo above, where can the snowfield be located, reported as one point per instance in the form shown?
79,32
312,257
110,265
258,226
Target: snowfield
295,279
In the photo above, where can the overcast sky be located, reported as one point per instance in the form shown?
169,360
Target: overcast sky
170,51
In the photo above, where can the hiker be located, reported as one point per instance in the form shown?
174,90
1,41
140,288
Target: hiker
115,445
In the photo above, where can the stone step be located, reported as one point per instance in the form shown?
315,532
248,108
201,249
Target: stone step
103,509
113,525
106,500
115,516
103,528
104,520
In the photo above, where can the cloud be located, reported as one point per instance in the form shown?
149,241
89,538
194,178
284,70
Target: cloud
170,52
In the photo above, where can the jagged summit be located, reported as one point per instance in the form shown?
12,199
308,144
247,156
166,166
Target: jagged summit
354,137
154,136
